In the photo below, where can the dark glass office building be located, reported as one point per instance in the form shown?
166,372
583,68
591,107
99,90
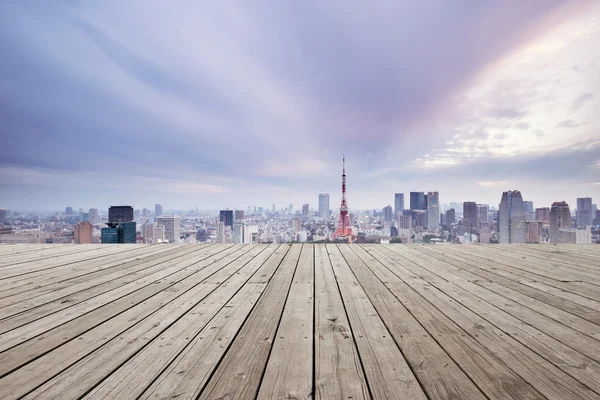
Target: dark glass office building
226,216
124,232
417,201
118,214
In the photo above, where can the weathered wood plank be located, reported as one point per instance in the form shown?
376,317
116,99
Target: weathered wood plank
289,371
90,357
491,375
437,372
186,376
387,372
338,371
129,380
239,374
538,372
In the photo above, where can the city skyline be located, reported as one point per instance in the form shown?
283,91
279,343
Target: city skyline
107,111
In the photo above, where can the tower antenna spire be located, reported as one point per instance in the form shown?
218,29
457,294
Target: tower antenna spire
344,230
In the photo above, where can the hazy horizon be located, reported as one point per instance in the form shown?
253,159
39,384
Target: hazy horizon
229,106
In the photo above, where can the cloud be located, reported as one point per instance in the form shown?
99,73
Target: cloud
582,99
522,126
567,124
493,183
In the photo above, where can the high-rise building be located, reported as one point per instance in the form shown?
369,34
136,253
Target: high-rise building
290,208
119,232
417,201
405,220
238,215
529,210
485,234
145,212
534,232
560,217
243,233
226,216
83,233
69,210
273,207
470,216
388,214
511,218
597,219
136,214
118,214
398,203
324,205
2,215
542,215
584,211
260,210
482,213
296,225
220,232
158,211
433,210
172,226
305,210
93,216
451,216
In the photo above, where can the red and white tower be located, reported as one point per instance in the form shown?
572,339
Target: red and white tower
344,230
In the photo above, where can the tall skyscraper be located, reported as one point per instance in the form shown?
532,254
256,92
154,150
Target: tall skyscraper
238,215
529,210
118,214
158,211
2,215
172,226
220,232
542,215
433,210
597,218
511,218
388,214
93,216
290,208
584,215
324,205
83,233
482,213
226,216
398,203
417,201
451,216
69,210
560,217
470,216
405,225
305,210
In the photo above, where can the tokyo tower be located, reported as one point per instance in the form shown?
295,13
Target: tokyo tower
344,230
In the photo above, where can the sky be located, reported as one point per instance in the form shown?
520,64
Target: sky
236,104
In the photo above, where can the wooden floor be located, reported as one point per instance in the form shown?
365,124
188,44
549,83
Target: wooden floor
300,322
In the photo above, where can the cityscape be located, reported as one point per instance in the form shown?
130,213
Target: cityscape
422,218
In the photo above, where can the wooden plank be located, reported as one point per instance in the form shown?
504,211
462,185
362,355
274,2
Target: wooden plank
53,279
438,373
240,371
583,319
338,372
557,280
53,257
492,272
289,372
538,372
71,297
72,369
128,377
24,301
387,372
58,327
187,375
502,316
490,375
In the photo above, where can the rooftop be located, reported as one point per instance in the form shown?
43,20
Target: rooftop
300,321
